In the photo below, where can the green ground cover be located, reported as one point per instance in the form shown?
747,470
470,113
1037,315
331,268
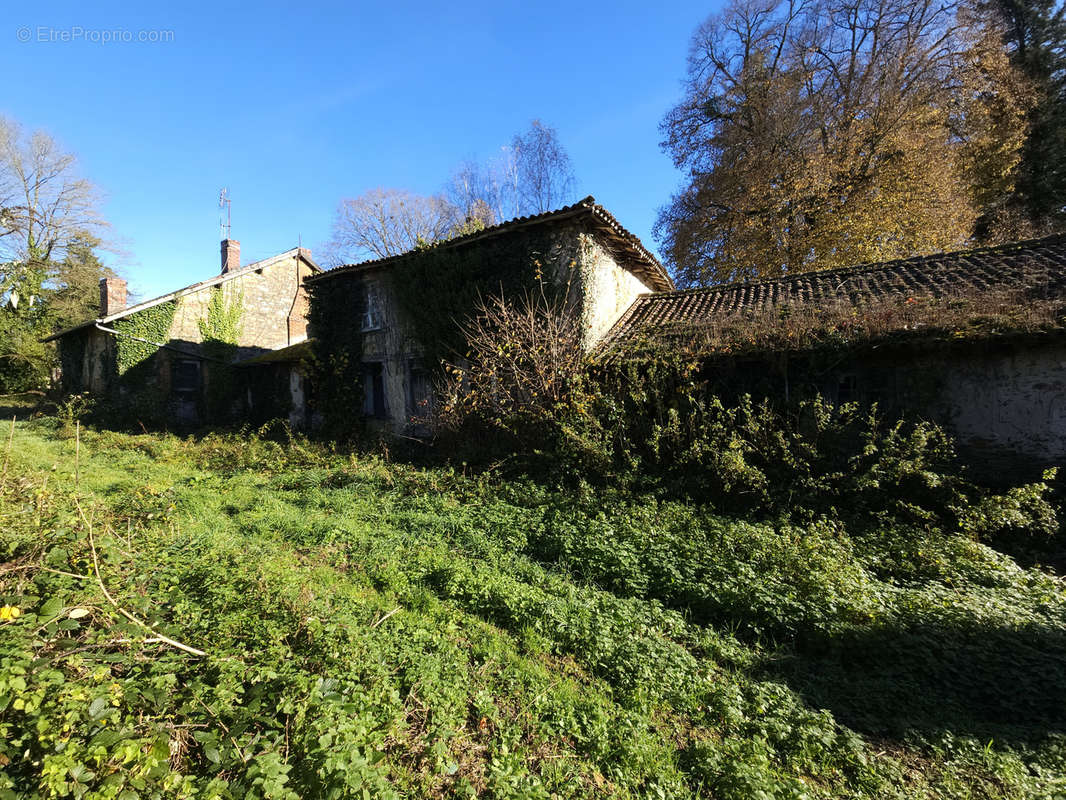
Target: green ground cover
375,629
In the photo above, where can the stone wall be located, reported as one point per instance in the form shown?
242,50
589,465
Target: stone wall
607,289
1007,406
600,288
1005,403
272,296
274,316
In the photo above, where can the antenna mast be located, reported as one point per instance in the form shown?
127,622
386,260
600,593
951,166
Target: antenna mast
224,204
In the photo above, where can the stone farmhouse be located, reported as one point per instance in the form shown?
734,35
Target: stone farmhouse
153,355
580,247
974,339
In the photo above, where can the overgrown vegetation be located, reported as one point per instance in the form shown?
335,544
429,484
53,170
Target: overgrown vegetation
220,331
371,628
132,399
335,314
459,279
845,325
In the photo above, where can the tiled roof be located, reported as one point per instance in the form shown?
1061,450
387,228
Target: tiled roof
630,251
255,266
1036,267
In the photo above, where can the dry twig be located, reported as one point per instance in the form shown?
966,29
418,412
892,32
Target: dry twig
99,579
382,619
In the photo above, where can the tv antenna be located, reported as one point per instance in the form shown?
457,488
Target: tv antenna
224,204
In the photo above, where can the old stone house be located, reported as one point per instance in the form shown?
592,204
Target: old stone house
974,340
580,249
164,356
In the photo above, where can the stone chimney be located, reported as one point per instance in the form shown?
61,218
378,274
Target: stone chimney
231,255
112,296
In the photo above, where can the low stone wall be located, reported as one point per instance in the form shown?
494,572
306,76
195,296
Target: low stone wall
1005,405
1004,402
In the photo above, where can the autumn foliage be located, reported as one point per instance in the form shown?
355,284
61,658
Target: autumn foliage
818,134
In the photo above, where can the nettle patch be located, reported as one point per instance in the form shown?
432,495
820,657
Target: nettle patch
371,629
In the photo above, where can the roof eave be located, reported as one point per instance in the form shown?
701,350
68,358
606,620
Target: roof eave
651,271
217,280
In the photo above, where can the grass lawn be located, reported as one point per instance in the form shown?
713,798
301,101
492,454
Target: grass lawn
372,629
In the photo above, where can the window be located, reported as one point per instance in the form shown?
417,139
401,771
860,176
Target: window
185,377
372,317
373,390
419,391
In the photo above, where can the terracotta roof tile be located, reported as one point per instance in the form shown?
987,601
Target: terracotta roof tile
1037,266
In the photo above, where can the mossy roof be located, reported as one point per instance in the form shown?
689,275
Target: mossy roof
1034,269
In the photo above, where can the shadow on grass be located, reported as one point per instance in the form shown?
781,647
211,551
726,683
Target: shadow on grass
1008,685
23,405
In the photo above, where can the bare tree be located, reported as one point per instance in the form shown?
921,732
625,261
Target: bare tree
545,176
44,206
387,222
476,191
531,175
523,365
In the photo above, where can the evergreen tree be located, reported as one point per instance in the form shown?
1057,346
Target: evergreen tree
1035,33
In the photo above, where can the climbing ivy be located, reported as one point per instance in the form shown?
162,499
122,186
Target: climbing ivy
152,324
220,331
433,289
437,287
334,319
223,323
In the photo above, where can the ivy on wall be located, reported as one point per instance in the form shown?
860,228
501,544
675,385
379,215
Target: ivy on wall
434,289
152,324
334,318
134,364
220,331
223,322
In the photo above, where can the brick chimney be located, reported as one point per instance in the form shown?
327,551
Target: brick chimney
112,296
231,255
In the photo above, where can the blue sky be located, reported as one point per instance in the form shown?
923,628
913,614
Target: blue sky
294,106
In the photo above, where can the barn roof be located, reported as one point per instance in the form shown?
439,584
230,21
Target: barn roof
1036,268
